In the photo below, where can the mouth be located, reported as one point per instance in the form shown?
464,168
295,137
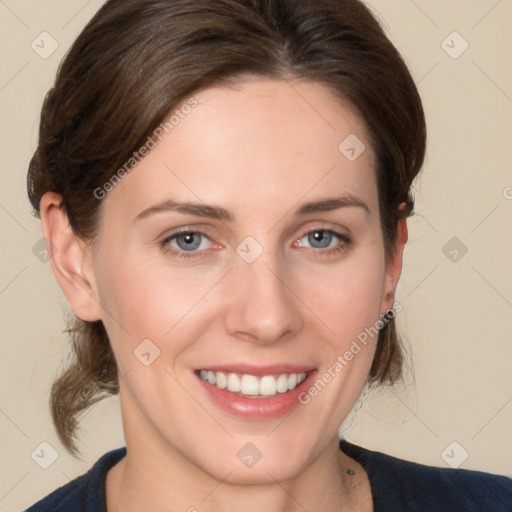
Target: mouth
255,392
253,386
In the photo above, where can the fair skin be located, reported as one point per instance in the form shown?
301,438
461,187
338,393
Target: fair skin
260,151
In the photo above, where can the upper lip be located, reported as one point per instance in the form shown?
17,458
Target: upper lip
258,371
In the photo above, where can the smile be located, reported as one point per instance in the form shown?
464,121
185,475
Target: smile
252,386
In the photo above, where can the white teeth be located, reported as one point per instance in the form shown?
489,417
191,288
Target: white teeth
250,385
233,383
282,383
222,381
268,385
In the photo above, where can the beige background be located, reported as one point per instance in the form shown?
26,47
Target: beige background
456,314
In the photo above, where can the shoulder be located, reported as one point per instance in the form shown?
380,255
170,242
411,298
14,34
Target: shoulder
402,485
84,494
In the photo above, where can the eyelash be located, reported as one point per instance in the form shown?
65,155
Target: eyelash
344,239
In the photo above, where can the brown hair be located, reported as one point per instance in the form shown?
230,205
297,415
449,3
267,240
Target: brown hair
137,59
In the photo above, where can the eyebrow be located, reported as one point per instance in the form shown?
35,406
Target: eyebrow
332,203
219,213
199,209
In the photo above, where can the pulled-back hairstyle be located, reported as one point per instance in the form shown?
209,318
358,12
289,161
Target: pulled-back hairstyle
137,59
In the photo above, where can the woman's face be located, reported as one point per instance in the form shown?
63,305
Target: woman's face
284,270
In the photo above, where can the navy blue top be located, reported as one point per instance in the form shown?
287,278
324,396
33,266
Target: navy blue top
397,486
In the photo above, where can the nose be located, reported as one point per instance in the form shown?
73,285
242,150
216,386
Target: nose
263,307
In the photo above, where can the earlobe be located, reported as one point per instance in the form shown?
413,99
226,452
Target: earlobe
70,259
394,265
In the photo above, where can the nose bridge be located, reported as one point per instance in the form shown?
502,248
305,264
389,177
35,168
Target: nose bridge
263,307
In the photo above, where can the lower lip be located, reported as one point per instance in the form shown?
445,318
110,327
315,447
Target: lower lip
257,408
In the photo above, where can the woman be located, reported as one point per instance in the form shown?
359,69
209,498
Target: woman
223,187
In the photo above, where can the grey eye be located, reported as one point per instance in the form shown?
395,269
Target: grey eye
188,241
320,239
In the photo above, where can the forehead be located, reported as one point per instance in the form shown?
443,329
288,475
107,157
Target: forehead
283,118
255,141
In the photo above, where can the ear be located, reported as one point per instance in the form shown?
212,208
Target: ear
70,257
394,264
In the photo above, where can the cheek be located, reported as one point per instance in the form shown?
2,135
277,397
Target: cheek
147,301
349,306
347,297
